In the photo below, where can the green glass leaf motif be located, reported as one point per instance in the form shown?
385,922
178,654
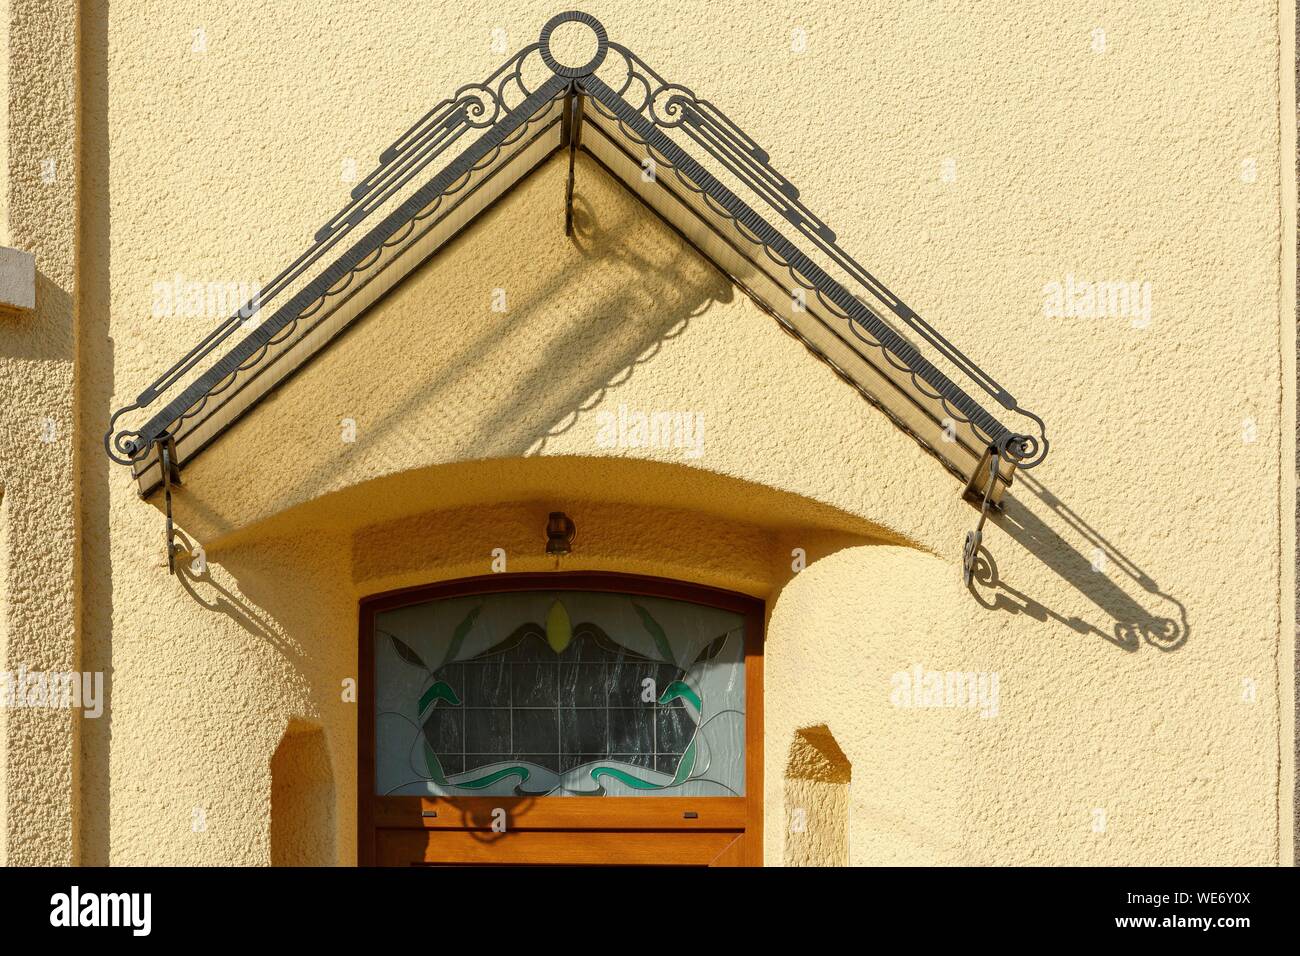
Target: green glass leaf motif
713,649
685,765
439,691
636,783
405,653
657,632
435,766
486,781
458,635
681,689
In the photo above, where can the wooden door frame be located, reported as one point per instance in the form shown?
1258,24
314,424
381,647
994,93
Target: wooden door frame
742,815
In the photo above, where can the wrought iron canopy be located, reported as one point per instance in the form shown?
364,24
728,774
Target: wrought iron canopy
685,160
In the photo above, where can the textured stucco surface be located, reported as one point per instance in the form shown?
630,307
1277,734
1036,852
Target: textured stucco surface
817,775
1290,125
967,155
303,827
38,478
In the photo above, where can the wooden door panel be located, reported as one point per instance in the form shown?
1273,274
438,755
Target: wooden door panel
556,848
562,813
735,853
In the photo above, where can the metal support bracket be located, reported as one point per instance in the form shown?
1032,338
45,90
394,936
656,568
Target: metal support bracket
991,460
171,475
573,135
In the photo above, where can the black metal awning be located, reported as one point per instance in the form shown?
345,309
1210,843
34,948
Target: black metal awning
685,160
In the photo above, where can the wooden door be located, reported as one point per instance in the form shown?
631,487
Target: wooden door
525,847
703,793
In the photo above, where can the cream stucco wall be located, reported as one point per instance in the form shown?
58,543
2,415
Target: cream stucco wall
38,442
1139,570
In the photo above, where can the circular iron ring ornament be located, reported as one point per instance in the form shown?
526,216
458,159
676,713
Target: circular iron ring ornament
573,16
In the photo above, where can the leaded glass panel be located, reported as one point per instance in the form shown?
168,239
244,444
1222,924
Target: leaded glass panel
569,693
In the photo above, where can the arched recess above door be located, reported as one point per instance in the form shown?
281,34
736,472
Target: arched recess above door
648,517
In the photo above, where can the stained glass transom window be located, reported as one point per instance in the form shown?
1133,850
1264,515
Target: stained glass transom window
568,693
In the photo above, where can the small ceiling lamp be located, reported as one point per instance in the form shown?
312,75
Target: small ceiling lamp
560,530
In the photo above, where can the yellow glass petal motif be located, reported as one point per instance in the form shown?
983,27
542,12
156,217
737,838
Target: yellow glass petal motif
559,631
